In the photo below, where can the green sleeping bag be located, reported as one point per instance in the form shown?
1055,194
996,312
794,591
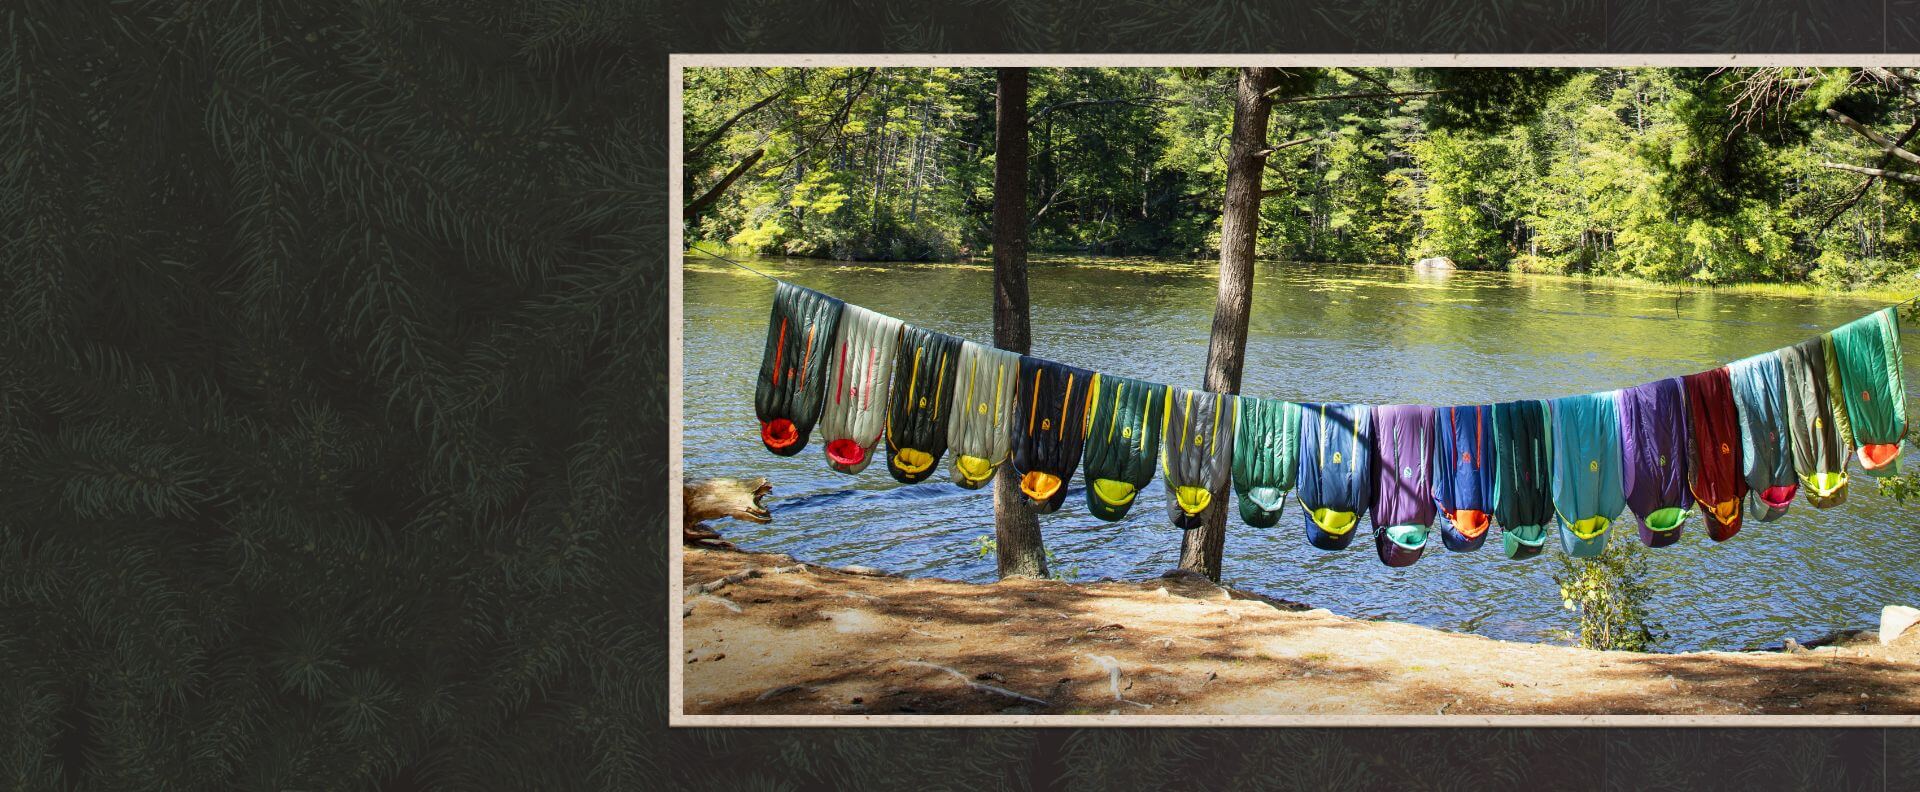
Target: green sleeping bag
1123,442
1266,448
918,408
1873,388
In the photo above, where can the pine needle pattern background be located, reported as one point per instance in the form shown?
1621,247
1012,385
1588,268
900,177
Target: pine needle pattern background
330,400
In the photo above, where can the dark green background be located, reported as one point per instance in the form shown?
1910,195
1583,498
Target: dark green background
330,414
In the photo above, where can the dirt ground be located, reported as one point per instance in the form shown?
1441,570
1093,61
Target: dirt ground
775,636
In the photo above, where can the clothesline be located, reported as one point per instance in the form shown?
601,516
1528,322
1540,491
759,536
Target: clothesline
1766,427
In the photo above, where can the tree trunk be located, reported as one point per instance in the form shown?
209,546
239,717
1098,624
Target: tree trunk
1202,547
700,205
1016,529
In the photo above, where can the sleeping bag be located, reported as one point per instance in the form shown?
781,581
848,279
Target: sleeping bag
1123,442
1196,454
1265,457
1819,450
793,370
1522,476
1402,482
1766,444
1336,467
1653,456
1050,425
1587,494
1874,388
1719,485
980,433
1463,475
919,408
856,411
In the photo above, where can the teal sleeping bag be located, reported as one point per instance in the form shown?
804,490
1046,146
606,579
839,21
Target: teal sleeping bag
1587,491
1265,458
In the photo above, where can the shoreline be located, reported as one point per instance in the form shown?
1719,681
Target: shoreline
1887,293
765,634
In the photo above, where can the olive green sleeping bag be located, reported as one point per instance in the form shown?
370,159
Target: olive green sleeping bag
918,410
1123,441
980,433
1819,449
1266,448
1196,453
1875,392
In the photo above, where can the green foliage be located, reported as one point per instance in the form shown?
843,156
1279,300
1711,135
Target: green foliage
1608,596
1659,174
320,340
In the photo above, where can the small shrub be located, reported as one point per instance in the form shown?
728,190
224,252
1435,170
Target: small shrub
1609,596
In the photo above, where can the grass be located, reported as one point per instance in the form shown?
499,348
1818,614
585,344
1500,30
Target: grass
1881,293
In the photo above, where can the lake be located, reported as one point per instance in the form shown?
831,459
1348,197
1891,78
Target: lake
1371,334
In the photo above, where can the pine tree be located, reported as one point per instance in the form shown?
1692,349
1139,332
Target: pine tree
321,331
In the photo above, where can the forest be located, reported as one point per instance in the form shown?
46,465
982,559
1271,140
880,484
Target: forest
1775,175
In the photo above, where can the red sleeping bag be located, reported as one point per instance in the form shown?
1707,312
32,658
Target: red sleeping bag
1719,483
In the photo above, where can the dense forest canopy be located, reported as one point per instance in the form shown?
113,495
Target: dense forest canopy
1660,173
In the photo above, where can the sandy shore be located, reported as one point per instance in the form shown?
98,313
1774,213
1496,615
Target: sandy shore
767,634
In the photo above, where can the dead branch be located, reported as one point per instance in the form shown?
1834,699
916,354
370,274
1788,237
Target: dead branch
980,686
1332,97
1886,145
1867,184
1882,173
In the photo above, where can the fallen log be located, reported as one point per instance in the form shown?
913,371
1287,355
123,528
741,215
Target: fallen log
713,499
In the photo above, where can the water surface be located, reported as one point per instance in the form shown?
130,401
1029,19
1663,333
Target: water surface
1378,335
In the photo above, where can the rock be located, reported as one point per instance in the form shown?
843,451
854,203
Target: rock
1896,619
867,571
1434,264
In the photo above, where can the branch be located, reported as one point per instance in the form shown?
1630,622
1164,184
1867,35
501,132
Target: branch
839,120
1137,101
1884,174
728,124
1265,194
1330,97
1368,77
1287,145
1886,146
701,203
1885,160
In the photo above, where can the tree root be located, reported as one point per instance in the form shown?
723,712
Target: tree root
980,686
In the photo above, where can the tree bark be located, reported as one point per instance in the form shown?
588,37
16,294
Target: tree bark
1019,549
1201,548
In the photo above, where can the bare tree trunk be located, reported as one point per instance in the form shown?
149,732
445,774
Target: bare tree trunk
1016,529
919,159
1202,547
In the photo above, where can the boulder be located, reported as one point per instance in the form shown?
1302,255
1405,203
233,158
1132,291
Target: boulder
1434,264
1896,619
